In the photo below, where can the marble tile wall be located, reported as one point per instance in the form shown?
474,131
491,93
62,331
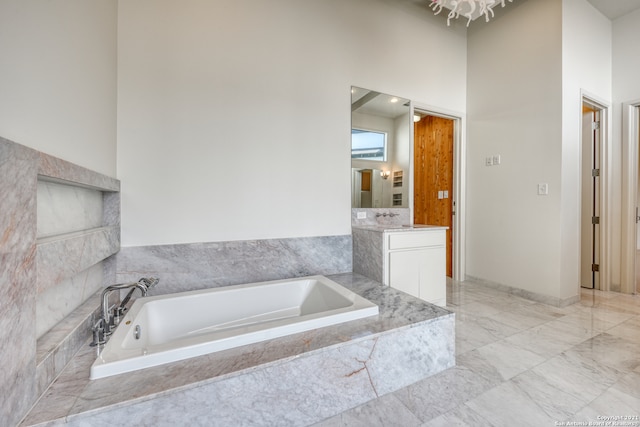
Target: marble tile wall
66,208
192,266
32,267
88,248
57,302
368,253
18,177
379,216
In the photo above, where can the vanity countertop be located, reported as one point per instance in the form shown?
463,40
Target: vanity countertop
393,228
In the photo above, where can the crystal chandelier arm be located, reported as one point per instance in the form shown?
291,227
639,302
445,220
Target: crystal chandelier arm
467,8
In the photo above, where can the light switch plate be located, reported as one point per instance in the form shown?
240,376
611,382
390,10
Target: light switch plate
543,189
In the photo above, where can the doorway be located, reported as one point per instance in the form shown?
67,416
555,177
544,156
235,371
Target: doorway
590,197
433,178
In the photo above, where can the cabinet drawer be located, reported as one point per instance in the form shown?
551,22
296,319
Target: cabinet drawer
416,239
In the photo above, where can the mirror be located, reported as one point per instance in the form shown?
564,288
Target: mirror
380,149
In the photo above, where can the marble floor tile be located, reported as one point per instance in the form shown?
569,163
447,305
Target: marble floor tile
588,322
608,313
475,309
522,363
551,338
629,330
526,317
609,350
463,416
500,360
508,302
572,374
631,305
611,403
476,332
555,402
629,384
384,411
443,392
507,405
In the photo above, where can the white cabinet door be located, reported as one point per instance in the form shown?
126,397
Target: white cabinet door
404,271
420,272
433,272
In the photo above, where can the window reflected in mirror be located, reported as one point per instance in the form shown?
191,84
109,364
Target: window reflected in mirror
368,145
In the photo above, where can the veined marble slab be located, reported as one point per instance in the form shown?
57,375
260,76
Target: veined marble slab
20,169
62,257
56,303
191,266
294,380
58,170
67,208
368,253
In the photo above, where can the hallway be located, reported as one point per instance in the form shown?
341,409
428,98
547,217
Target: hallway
524,363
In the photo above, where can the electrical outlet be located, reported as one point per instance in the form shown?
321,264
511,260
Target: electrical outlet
362,215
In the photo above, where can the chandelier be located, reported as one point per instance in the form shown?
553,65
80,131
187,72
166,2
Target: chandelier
467,8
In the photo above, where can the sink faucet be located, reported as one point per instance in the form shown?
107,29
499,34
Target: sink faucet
109,319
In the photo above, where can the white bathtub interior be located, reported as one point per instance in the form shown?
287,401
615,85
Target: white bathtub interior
168,328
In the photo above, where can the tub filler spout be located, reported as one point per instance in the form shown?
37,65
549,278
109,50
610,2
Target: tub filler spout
110,315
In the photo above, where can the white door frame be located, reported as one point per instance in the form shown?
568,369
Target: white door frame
630,133
459,180
605,184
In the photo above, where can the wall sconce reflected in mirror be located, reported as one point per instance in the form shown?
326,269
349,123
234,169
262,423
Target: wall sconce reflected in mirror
385,174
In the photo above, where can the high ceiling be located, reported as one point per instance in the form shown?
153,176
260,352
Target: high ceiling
613,9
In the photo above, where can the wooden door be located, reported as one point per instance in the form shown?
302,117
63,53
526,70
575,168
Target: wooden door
433,176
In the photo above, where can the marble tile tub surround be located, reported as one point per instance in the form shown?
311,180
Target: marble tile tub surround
57,302
380,216
368,252
185,267
20,170
18,178
524,363
67,208
294,380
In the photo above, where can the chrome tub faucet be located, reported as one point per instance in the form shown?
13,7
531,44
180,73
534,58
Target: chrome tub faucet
110,315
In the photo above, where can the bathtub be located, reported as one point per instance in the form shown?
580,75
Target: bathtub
168,328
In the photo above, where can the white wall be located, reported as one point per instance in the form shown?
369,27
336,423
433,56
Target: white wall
514,109
626,63
586,67
234,115
526,73
58,78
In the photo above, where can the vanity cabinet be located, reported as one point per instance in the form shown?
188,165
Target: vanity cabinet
415,263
